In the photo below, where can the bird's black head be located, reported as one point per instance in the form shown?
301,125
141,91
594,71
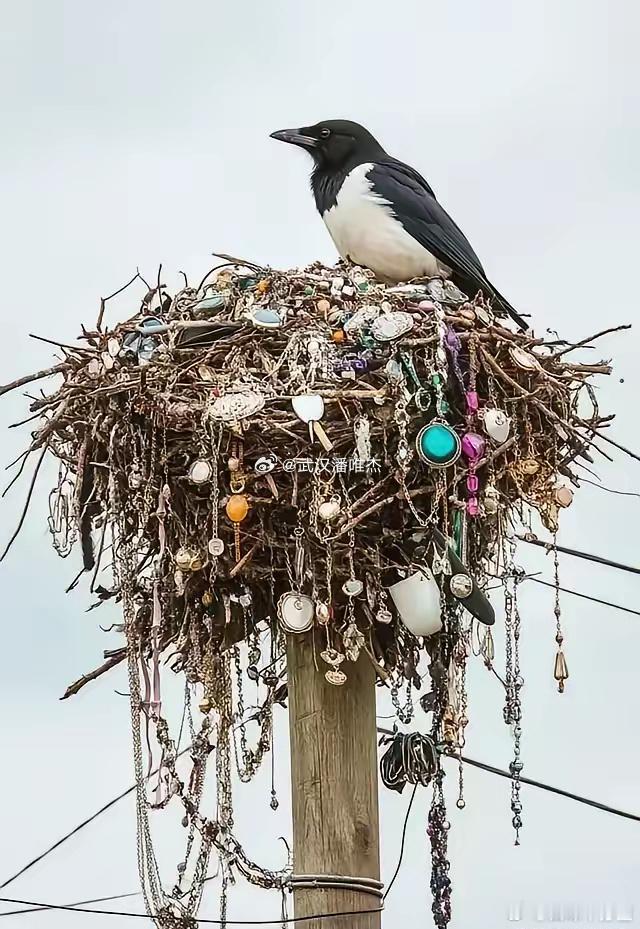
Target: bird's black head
334,143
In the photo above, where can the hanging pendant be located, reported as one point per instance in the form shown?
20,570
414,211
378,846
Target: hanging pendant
323,612
473,446
523,359
438,445
200,471
188,559
390,326
329,509
560,670
353,587
236,405
353,641
216,547
295,612
237,507
497,425
461,586
335,677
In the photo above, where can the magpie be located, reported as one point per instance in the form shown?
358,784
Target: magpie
383,215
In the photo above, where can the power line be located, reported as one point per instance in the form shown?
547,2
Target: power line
404,836
210,922
39,909
598,559
576,593
548,787
610,490
566,590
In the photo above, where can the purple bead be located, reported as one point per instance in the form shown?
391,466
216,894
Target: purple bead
473,446
473,507
473,403
359,364
427,306
473,484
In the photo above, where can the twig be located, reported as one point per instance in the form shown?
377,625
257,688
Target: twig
111,662
618,446
17,475
104,300
72,348
29,378
541,406
27,502
244,560
582,342
374,509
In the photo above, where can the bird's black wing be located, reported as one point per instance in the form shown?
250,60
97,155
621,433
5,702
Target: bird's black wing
415,206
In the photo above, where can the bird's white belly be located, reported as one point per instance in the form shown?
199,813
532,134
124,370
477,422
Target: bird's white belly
365,231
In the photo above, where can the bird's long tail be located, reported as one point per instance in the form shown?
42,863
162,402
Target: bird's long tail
500,302
504,304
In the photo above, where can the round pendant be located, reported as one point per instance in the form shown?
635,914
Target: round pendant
188,559
332,656
391,326
295,612
461,586
216,547
529,466
353,587
329,510
563,496
523,359
361,319
200,471
497,425
323,613
438,445
232,407
94,368
485,317
237,507
337,678
491,500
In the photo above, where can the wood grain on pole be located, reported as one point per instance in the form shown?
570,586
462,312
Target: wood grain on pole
334,782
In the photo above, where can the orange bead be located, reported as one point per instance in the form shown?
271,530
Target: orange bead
263,286
237,508
338,335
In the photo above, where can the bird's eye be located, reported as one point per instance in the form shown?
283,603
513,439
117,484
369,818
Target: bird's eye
325,133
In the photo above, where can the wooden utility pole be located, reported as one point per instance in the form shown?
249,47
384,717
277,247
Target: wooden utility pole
334,782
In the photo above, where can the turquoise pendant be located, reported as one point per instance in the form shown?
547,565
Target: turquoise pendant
438,445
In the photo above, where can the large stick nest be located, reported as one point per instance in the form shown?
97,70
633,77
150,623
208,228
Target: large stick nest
144,409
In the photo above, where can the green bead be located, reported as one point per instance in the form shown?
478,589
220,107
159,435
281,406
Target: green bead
308,290
438,445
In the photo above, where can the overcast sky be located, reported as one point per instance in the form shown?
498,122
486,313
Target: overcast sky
136,133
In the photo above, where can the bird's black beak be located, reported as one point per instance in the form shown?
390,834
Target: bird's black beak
295,137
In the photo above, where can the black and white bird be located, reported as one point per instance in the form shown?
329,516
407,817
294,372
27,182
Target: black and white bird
382,214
